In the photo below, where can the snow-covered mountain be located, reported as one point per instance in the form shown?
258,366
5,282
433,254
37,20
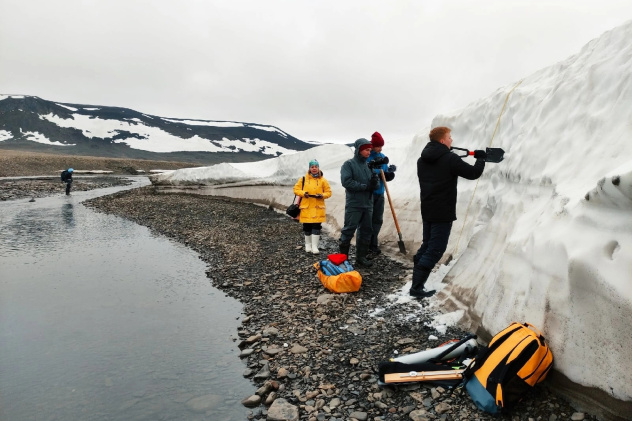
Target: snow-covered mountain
543,237
30,122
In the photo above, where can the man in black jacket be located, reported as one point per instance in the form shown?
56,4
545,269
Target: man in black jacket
438,170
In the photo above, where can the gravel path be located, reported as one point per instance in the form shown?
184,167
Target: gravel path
312,353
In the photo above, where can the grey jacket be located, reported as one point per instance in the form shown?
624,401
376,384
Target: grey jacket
355,176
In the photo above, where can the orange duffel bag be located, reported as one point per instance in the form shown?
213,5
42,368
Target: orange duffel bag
338,277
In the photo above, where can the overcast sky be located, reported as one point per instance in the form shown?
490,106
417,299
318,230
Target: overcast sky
322,70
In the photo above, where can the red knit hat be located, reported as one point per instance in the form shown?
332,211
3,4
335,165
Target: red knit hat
365,146
377,140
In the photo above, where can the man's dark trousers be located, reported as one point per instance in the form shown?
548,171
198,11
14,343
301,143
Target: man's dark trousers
433,245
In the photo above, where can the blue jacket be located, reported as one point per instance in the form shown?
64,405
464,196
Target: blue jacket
355,176
384,167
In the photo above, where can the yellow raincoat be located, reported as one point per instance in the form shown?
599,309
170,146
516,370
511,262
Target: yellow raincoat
312,208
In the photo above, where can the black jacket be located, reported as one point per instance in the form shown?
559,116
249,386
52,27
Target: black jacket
438,170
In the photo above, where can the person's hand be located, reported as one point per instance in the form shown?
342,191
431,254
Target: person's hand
392,168
373,183
306,194
480,154
320,196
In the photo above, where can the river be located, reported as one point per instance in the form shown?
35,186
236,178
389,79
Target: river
102,320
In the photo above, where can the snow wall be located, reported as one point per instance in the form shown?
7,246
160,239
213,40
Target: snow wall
544,236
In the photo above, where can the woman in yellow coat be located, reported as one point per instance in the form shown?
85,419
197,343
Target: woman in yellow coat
313,194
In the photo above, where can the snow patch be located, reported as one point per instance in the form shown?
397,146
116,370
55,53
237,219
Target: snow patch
5,134
67,107
205,123
154,139
40,138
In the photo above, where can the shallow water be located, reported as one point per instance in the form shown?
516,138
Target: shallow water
100,319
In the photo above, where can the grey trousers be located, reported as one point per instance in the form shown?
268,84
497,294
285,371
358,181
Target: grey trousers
357,219
377,218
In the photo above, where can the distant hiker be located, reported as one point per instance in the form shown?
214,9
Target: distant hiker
377,161
66,177
359,183
438,170
313,189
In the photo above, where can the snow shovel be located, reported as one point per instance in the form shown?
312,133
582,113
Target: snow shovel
400,243
493,154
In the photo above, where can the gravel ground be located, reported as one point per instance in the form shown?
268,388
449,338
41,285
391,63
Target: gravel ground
311,354
21,188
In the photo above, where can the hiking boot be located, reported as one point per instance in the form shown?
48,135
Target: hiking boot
344,248
422,294
362,249
420,276
375,250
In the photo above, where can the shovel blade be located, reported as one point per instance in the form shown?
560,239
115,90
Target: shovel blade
402,247
495,155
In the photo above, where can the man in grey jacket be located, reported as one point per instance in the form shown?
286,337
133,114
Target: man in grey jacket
359,183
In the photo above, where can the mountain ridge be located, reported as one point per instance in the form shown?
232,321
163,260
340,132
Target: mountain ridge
35,124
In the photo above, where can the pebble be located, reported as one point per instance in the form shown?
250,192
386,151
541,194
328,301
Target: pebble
282,410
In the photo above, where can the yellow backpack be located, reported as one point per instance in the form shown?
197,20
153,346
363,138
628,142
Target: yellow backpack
516,359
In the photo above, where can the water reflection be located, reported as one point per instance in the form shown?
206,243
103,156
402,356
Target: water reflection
67,214
101,320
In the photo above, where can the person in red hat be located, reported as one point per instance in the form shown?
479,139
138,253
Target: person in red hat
377,161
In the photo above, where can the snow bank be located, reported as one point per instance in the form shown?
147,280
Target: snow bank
550,240
544,237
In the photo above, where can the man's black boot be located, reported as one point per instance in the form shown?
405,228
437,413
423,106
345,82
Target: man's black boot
420,276
362,249
375,250
344,248
373,247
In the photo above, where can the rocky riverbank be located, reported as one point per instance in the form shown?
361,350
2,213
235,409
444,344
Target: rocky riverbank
310,354
22,188
24,163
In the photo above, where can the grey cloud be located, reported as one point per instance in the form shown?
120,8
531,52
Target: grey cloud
320,70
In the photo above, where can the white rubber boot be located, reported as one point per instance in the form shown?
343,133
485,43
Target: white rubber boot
315,240
308,243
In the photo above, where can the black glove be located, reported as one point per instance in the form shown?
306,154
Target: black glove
373,183
306,194
480,154
392,168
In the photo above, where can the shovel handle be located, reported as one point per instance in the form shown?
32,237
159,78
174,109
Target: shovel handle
390,203
467,152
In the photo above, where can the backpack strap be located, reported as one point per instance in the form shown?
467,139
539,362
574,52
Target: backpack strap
302,187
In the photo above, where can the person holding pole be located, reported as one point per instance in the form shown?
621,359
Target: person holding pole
378,163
